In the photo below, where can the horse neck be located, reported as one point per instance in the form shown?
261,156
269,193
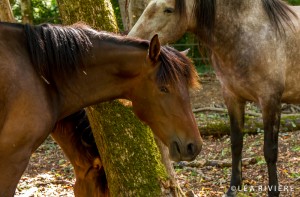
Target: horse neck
234,18
112,70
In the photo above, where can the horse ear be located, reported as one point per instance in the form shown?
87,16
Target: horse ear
97,164
154,48
186,51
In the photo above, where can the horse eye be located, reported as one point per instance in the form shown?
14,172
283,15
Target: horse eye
169,10
164,89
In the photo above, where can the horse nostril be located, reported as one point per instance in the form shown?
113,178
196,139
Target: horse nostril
191,149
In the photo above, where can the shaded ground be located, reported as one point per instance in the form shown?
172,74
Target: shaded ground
209,94
50,174
214,180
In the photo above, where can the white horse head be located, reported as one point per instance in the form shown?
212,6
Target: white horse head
161,16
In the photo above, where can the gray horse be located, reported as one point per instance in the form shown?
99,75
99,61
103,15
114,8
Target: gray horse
254,47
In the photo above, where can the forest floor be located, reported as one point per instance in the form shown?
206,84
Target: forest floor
50,174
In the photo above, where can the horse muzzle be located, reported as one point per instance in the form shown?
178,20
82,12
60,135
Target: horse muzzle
184,152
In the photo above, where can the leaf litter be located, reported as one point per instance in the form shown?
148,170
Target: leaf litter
50,174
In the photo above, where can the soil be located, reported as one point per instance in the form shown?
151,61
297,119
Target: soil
50,174
210,93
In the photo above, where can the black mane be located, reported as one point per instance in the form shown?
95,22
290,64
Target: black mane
176,69
57,50
279,14
205,14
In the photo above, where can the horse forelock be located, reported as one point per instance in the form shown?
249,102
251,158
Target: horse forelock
56,50
176,69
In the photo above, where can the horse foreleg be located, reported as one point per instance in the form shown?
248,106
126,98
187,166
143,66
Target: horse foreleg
271,110
11,169
236,110
16,147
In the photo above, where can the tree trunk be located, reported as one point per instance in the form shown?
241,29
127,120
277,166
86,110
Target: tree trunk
123,4
96,13
26,10
131,10
6,14
128,151
135,10
129,154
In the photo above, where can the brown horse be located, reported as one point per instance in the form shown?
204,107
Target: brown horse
254,47
50,72
75,137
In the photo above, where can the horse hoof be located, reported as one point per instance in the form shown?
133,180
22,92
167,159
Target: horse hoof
273,195
230,193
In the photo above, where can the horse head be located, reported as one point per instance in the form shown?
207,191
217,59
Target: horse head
161,99
167,18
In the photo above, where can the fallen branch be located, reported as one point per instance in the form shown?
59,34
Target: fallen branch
253,125
223,110
217,163
250,113
296,107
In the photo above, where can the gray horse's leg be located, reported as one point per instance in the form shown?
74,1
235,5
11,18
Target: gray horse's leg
271,110
236,110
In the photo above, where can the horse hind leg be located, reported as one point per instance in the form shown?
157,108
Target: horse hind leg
236,110
271,109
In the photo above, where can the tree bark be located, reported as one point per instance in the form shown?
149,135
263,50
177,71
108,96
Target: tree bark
131,10
26,10
6,14
135,10
129,154
96,13
128,151
123,4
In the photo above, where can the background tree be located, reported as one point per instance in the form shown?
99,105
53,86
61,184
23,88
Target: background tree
135,10
130,11
5,11
26,9
130,157
294,2
43,11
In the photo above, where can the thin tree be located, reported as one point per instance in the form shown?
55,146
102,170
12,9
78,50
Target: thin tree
131,10
26,11
6,14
